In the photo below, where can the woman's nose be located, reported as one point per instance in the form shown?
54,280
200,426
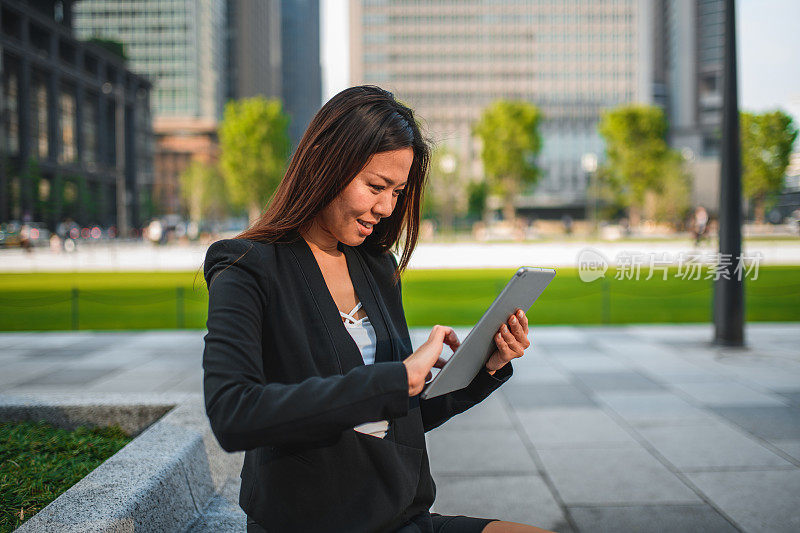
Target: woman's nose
384,206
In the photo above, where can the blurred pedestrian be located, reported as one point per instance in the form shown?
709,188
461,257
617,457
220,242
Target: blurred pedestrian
567,221
700,224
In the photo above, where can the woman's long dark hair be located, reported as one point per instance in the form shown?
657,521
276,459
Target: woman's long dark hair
339,142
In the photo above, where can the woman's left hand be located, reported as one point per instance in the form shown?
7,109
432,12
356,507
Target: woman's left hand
511,341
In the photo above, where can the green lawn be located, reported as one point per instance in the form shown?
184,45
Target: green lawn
60,301
38,462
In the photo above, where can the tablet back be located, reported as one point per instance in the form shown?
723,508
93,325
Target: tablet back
520,293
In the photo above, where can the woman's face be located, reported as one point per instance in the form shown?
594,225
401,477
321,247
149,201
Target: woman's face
367,199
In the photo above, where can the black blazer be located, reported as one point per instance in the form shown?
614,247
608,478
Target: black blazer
285,381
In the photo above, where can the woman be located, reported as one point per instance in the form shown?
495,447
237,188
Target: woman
328,409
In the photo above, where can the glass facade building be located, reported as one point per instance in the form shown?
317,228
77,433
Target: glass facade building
177,43
449,60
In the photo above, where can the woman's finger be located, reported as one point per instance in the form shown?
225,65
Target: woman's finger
452,340
523,319
516,329
503,350
514,346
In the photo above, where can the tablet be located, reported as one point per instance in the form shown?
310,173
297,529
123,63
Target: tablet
520,293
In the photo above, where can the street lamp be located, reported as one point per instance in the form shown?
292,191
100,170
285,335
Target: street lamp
589,165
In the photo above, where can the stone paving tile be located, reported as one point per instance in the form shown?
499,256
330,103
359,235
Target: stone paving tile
67,353
651,407
523,499
775,379
13,355
764,421
618,381
570,347
650,518
20,371
529,395
14,339
670,366
613,476
48,339
572,427
68,377
491,413
539,374
119,357
728,395
191,383
591,363
135,380
563,335
789,446
478,451
632,348
709,445
759,501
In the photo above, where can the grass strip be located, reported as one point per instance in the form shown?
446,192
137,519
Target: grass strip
148,300
38,462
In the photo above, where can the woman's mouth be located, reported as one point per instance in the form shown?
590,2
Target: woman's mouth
364,227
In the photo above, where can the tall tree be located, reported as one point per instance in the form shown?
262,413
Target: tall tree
636,152
255,145
767,141
511,141
203,192
674,191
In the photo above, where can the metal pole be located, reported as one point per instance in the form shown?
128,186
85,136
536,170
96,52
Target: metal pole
729,293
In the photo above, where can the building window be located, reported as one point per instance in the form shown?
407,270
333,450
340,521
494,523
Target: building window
11,111
39,116
90,129
66,102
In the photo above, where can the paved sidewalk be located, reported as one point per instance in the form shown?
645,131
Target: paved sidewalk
637,429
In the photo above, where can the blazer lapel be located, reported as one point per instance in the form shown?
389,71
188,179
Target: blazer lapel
366,291
344,346
370,299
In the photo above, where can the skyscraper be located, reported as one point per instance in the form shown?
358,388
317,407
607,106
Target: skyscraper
449,60
178,44
201,53
301,68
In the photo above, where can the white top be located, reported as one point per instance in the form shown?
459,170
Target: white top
364,335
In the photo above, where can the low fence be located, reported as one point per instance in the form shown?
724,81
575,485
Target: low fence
604,301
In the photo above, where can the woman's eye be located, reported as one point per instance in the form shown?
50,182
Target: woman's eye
378,187
398,192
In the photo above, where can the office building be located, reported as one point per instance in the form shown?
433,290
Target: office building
200,54
449,60
76,133
301,68
179,45
692,34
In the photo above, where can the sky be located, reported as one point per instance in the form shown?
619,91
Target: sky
767,47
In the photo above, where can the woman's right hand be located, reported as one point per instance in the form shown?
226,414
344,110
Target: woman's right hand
419,363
